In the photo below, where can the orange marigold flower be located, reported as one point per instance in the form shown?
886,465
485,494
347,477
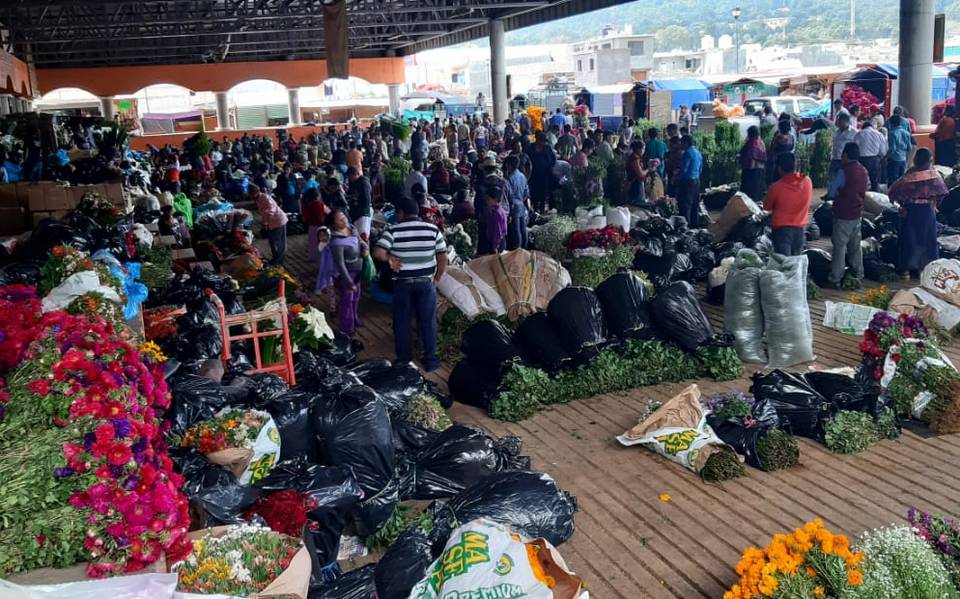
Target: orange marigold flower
855,578
855,559
819,591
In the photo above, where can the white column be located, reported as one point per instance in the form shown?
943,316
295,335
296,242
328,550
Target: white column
498,71
293,106
393,91
106,108
27,105
223,111
916,58
14,105
5,104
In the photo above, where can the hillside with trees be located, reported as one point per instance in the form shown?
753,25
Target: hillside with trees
679,24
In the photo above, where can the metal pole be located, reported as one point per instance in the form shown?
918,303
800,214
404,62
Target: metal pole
916,58
498,71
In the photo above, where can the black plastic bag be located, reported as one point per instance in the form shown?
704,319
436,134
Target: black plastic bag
819,263
457,458
801,410
25,272
540,343
624,300
823,216
48,234
363,440
410,438
890,249
726,249
868,230
396,384
659,269
213,489
488,343
843,391
329,410
330,486
678,317
342,353
319,375
530,503
470,384
355,584
291,413
577,314
743,433
372,513
702,261
404,564
369,367
266,387
194,398
876,269
747,230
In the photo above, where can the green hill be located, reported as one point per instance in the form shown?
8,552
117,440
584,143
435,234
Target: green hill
680,23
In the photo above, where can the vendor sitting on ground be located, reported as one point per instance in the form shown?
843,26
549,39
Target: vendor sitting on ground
788,200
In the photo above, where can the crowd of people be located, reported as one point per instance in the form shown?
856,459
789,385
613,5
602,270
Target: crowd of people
498,174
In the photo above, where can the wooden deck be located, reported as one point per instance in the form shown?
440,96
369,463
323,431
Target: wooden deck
630,544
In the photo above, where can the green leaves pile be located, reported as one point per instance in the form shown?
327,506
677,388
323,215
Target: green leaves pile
590,271
850,432
425,410
777,450
721,466
403,518
524,391
720,363
156,268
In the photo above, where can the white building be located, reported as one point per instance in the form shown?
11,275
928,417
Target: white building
613,57
685,64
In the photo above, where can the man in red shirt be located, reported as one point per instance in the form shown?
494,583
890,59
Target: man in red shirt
788,200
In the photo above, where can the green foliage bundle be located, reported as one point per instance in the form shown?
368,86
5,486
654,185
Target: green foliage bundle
850,432
767,132
425,411
777,450
720,363
723,465
524,390
725,162
820,158
156,265
403,518
198,144
397,170
551,237
590,271
641,126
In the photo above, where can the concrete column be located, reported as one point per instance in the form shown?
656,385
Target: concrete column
14,105
27,104
5,104
106,108
916,58
293,106
223,111
393,91
498,72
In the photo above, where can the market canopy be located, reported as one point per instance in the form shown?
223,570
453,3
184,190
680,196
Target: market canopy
70,33
684,92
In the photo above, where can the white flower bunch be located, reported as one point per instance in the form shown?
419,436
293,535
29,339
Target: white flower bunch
898,564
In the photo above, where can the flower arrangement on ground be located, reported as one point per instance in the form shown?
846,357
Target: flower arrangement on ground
876,297
283,511
606,238
897,564
551,237
309,328
809,562
85,467
943,535
231,428
751,429
913,372
241,562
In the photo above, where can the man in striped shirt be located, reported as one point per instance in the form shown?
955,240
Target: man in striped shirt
417,253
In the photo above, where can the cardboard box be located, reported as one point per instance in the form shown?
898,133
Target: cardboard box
37,195
184,254
9,196
12,220
57,198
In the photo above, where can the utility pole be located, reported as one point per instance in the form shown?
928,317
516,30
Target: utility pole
853,20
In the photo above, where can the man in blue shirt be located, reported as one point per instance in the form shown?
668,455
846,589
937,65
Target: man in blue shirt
517,194
899,142
688,197
558,120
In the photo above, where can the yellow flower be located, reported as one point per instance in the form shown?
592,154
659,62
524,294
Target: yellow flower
855,578
665,497
819,591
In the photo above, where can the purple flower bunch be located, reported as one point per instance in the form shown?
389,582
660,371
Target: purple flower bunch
943,534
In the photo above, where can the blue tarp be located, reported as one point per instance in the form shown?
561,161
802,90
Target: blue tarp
684,91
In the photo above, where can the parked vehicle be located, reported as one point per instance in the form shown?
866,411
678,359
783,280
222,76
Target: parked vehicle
790,104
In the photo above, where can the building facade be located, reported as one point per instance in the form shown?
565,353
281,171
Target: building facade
613,57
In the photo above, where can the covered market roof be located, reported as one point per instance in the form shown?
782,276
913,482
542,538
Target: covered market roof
74,33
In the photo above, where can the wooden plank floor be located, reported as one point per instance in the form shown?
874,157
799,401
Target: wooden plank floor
630,544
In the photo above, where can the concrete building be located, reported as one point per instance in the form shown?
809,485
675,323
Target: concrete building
682,63
614,57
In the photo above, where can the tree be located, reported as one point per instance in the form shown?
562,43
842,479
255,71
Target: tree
675,37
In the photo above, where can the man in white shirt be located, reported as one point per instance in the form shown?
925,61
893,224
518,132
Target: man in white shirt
839,110
843,135
873,147
413,179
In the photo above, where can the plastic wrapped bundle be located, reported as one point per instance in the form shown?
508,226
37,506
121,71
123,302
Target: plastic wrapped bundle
540,343
679,318
488,344
471,384
823,216
818,265
623,297
742,314
800,408
578,316
786,316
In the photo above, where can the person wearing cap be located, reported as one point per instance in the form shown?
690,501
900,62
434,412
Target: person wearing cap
359,201
416,253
